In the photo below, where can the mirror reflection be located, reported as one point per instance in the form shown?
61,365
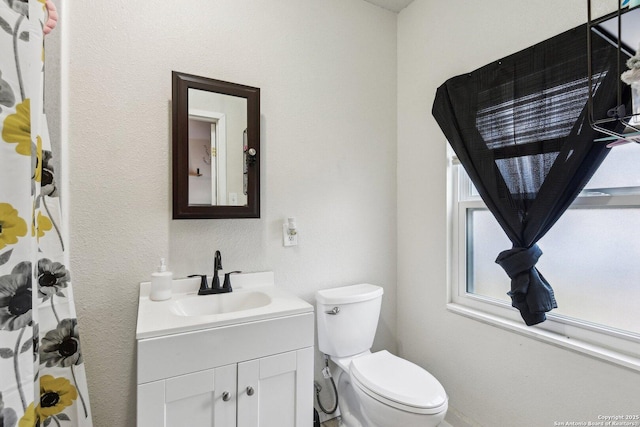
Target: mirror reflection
217,147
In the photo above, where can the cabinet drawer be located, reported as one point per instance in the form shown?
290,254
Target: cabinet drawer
180,354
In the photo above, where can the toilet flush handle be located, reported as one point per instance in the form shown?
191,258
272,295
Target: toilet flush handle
334,311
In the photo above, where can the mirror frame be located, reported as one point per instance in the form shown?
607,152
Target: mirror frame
181,83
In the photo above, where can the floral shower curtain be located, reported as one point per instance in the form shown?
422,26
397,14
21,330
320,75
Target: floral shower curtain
42,376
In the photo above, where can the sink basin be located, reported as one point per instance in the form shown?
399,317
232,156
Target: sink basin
254,298
220,303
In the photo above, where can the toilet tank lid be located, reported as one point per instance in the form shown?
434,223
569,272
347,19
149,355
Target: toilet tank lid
349,294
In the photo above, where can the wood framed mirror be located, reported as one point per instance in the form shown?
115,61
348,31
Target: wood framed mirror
216,148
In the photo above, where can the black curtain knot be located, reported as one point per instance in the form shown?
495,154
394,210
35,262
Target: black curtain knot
517,260
530,292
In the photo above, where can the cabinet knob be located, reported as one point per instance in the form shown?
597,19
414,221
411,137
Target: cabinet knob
250,391
226,396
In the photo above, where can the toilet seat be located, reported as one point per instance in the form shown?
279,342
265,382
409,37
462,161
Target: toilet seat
398,383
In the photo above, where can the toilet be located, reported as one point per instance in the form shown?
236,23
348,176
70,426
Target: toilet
375,389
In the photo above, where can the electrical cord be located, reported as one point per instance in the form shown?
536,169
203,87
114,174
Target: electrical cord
327,374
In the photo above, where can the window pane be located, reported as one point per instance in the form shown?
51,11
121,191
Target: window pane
474,190
619,169
485,240
591,259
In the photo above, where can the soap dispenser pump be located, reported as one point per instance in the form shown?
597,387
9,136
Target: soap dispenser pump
161,283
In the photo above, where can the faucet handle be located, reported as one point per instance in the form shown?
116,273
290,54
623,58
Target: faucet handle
227,280
203,281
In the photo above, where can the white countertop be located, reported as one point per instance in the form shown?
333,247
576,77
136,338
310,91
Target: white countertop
158,318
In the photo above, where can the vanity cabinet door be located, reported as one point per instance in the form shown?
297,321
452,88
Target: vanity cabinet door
276,391
151,404
205,398
190,397
225,396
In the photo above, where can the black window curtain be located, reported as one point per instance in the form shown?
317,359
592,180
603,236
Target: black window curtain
520,128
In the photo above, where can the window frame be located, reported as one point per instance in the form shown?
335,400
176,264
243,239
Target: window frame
580,335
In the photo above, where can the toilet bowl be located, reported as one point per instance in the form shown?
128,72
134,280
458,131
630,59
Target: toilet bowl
375,389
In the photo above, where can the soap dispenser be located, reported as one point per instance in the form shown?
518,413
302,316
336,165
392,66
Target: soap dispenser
161,283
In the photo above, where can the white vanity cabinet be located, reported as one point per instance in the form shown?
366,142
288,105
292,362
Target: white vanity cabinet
274,391
227,372
193,399
266,392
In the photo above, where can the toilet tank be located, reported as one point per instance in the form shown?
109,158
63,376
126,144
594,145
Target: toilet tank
352,328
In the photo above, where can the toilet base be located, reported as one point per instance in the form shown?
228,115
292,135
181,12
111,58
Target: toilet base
349,408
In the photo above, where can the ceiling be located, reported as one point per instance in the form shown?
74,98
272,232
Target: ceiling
392,5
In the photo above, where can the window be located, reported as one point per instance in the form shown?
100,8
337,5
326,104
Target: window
598,292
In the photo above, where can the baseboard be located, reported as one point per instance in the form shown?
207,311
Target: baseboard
326,417
456,418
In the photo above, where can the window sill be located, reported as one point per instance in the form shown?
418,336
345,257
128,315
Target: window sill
576,345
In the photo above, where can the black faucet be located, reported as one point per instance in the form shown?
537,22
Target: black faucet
217,266
215,282
204,286
226,286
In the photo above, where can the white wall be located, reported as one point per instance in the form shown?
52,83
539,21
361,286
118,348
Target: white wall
493,377
327,72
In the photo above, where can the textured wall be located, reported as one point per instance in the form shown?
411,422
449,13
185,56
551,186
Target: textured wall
327,71
493,377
